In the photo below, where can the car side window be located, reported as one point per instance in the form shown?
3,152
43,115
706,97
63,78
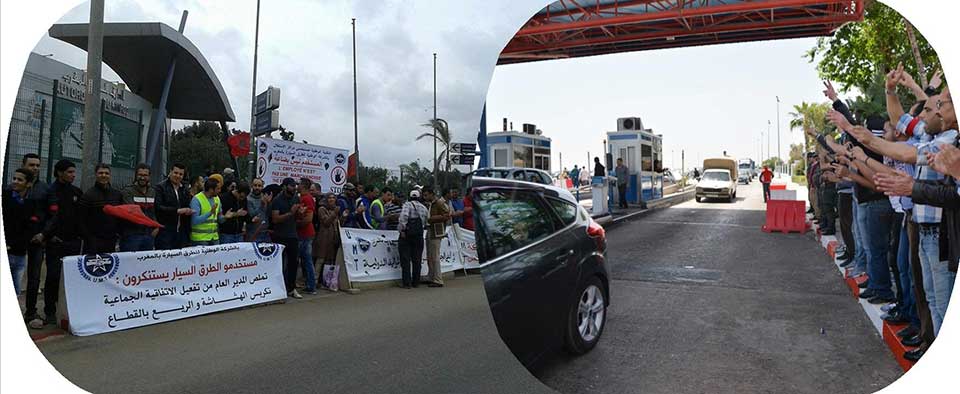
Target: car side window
565,210
510,220
518,175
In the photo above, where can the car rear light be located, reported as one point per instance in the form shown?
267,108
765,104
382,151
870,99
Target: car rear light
596,231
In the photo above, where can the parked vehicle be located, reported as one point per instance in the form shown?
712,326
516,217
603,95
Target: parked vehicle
670,184
515,173
543,264
719,180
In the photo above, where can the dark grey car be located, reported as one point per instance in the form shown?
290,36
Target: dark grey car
543,264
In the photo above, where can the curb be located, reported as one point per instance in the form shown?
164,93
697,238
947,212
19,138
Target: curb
885,330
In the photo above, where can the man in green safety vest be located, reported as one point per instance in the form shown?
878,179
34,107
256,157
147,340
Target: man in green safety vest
207,215
378,213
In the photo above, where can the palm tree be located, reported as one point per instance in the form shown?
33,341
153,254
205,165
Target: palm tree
810,115
442,134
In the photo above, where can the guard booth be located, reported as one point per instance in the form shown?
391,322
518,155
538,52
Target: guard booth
642,153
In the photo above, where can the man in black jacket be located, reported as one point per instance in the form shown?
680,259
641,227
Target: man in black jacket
173,210
62,234
103,230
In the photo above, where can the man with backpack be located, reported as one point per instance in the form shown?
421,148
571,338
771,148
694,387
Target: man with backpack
413,219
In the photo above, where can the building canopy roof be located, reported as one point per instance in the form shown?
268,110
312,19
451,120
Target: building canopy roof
568,29
141,53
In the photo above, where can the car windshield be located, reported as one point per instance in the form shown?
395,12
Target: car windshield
745,166
716,176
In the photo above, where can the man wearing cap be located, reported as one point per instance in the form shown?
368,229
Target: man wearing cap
413,218
207,215
766,176
285,209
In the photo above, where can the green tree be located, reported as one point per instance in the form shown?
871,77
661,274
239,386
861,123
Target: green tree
200,148
442,134
772,162
857,52
813,115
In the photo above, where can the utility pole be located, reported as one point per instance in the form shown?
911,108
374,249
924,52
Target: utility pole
91,108
253,98
778,135
434,123
356,144
769,154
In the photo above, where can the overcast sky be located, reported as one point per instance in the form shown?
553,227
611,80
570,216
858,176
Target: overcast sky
704,100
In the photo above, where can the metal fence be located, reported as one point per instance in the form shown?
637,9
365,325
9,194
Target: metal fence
52,126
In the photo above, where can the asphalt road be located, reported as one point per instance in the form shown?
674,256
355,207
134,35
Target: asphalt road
381,341
704,301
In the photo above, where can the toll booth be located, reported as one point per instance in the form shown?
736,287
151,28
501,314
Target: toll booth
642,153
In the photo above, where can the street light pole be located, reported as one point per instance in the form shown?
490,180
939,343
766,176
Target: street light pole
253,97
434,120
91,109
356,144
778,133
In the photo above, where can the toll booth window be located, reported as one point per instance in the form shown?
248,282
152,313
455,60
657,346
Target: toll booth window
500,158
646,158
522,156
510,220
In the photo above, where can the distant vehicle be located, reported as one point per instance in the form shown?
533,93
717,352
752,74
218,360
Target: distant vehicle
542,258
670,184
747,170
719,180
516,173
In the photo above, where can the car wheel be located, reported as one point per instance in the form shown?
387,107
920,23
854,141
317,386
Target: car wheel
586,318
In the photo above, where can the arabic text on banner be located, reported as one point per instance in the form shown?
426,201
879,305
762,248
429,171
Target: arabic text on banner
468,247
374,255
279,159
116,291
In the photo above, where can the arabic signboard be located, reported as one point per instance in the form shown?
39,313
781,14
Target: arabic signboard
268,100
278,159
464,148
117,291
374,255
266,122
461,159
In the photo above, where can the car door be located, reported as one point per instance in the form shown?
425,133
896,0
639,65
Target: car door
520,250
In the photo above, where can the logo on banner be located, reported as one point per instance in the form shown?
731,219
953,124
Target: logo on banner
341,158
263,148
261,167
98,267
339,176
266,250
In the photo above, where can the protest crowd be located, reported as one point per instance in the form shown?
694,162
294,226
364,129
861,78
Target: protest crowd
887,188
44,223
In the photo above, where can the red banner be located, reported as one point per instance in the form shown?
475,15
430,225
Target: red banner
352,166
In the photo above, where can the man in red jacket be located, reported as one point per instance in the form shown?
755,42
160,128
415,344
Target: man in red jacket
766,176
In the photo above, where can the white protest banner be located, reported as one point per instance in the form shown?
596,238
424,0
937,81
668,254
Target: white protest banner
278,159
374,255
468,247
116,291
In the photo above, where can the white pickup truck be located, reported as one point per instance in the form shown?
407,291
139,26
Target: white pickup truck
719,180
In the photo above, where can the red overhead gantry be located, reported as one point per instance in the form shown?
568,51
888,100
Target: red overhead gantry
578,28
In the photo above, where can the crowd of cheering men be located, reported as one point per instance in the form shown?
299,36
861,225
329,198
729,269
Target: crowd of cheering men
891,183
43,223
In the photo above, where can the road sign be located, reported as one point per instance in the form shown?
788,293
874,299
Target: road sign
266,122
464,148
466,160
268,100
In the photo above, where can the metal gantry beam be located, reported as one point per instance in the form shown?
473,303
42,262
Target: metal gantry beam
571,28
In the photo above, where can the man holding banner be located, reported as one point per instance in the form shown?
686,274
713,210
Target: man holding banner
439,219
